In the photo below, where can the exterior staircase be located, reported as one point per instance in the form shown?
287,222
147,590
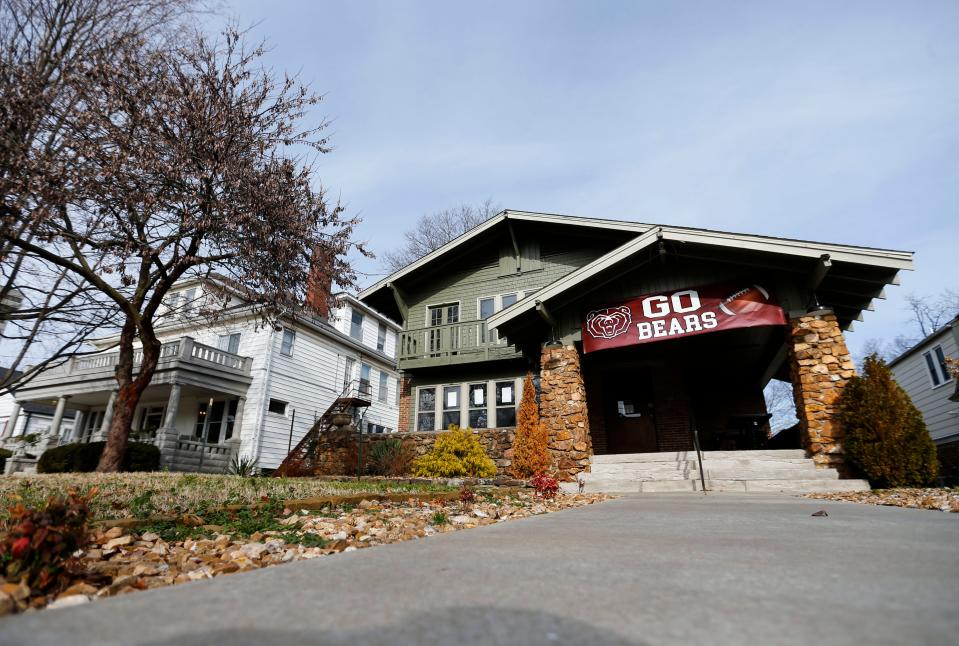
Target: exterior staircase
740,471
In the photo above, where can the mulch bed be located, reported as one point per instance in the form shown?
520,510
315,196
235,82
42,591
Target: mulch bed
935,499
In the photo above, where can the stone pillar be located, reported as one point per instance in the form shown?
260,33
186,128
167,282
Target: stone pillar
58,416
563,409
406,405
11,421
820,365
104,430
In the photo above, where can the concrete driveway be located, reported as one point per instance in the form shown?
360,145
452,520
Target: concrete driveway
651,569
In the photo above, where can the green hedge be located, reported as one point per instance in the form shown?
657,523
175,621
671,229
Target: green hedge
84,458
4,454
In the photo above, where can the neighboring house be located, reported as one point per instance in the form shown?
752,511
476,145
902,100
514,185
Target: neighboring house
636,334
9,302
232,386
32,418
921,371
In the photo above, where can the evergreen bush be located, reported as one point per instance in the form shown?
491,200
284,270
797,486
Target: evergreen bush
456,453
4,454
885,435
84,457
531,443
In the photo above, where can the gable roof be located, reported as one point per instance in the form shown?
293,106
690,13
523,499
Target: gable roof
954,323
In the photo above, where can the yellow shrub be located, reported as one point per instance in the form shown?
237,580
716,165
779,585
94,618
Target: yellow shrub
456,453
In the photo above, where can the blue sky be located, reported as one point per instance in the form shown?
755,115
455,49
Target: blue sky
826,121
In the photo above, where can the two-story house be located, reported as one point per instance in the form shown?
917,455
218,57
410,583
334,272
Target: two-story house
922,372
641,338
231,386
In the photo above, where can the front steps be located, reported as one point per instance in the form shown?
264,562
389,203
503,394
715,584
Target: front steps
787,471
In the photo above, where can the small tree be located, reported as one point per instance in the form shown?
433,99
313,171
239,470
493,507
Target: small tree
885,435
531,444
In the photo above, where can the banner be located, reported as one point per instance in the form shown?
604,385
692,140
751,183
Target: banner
680,313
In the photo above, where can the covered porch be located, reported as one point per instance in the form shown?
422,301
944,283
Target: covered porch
192,410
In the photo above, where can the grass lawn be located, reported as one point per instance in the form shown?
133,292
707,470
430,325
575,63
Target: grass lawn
141,495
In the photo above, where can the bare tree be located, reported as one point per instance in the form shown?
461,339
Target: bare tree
927,314
434,230
192,151
47,50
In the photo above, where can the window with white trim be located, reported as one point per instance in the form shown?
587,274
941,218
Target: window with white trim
229,342
384,387
366,388
451,406
505,403
936,366
426,409
381,337
478,413
356,325
289,338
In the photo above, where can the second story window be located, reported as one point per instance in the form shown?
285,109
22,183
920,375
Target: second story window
289,337
189,300
348,372
365,387
384,387
356,325
381,338
936,365
444,314
229,342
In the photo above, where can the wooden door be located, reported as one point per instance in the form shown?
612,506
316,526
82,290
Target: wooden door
628,414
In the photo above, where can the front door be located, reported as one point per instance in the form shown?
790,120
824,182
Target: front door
629,414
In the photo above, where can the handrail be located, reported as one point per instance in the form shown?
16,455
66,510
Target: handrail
463,338
699,458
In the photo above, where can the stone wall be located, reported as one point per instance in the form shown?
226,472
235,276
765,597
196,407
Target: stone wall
820,366
337,451
563,409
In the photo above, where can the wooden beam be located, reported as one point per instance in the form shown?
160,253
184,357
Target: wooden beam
400,299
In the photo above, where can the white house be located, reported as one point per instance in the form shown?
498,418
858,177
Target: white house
922,373
230,387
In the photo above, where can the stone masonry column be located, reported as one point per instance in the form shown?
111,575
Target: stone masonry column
563,409
820,366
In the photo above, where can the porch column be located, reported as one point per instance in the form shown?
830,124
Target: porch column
167,434
77,426
107,418
563,409
58,416
238,419
12,421
820,366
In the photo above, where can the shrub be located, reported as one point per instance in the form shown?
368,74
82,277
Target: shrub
885,435
467,495
456,453
245,466
38,544
4,454
84,458
531,443
391,457
546,486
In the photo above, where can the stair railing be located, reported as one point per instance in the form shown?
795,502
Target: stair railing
699,454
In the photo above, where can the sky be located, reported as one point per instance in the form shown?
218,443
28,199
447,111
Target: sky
836,122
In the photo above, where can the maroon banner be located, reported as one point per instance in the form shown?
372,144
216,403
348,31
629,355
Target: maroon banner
680,313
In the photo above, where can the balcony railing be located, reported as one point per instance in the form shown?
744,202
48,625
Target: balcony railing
183,350
457,342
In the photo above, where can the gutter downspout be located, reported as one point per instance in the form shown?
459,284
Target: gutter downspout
260,417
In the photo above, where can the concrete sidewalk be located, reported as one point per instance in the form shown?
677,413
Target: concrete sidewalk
651,569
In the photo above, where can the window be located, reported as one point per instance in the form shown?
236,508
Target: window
444,314
381,338
230,418
348,372
151,419
286,348
189,299
366,388
508,299
426,409
277,406
478,414
451,406
936,365
443,339
398,394
489,305
356,325
229,342
384,387
505,404
173,301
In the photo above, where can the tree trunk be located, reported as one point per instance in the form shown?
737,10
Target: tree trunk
129,392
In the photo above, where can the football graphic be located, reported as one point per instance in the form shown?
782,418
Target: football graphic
608,323
744,301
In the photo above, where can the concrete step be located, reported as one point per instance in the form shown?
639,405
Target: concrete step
684,456
794,466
